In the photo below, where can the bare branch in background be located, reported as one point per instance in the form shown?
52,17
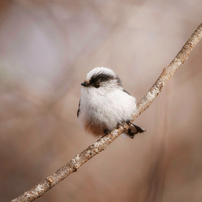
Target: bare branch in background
103,142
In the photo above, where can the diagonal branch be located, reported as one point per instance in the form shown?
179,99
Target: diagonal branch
103,142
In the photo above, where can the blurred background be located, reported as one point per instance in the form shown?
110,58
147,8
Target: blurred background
46,49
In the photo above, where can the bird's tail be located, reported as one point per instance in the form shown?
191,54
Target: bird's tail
133,130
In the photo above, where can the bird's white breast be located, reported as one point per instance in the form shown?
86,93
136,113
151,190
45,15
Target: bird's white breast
105,108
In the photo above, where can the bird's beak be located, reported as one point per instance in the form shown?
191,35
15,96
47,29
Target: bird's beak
84,84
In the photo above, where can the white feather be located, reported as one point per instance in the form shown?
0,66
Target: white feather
106,106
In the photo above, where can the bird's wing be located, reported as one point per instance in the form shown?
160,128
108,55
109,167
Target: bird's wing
78,111
126,91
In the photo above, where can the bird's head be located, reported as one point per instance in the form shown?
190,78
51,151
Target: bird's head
101,79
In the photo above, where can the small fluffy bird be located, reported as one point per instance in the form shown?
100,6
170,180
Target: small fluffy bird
104,104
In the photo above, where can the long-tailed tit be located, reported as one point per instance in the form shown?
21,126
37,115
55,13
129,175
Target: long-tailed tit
104,104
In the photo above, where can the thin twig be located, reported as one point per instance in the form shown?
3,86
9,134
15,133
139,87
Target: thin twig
103,142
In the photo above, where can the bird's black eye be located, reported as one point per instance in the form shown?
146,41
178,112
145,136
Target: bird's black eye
97,85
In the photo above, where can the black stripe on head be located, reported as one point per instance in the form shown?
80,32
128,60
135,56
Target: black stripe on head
99,78
119,81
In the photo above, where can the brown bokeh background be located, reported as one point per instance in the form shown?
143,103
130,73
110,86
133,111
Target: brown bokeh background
46,49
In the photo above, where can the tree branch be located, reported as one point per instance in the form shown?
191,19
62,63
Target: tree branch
103,142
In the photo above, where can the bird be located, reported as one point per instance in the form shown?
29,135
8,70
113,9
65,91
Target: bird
105,104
